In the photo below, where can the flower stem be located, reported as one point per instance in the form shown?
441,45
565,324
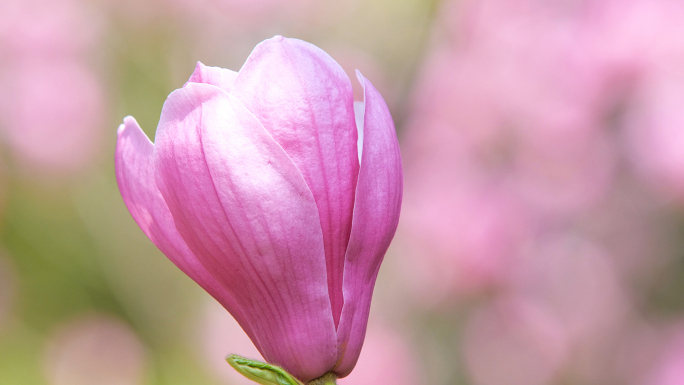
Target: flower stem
267,374
328,379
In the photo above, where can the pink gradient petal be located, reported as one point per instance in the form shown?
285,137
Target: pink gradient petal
219,77
376,215
305,101
246,212
135,177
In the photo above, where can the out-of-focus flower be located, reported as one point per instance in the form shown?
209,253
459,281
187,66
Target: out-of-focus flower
507,135
638,348
514,341
95,349
386,358
253,188
47,28
670,369
52,107
657,137
460,239
654,121
577,283
53,113
503,88
526,118
643,42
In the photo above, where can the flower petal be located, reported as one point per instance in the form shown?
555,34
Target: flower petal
135,177
305,101
219,77
376,215
246,212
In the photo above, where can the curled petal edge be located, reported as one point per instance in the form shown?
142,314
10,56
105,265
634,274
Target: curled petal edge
377,205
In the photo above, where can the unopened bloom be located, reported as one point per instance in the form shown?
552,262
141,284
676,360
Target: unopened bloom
254,188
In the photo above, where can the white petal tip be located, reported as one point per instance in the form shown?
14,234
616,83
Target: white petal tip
126,122
360,77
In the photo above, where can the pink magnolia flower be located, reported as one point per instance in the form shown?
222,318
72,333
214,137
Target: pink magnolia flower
254,189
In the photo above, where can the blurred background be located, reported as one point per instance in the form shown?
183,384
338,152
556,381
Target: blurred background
542,232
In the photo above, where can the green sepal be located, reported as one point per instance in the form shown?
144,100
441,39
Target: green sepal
261,372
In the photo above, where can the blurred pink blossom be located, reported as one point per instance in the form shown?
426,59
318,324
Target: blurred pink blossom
670,369
521,90
658,138
459,240
53,103
635,37
47,28
641,43
95,349
562,166
576,282
638,348
537,105
654,127
52,114
513,341
513,107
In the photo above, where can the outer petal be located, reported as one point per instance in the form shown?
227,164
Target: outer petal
135,177
219,77
246,212
305,101
376,215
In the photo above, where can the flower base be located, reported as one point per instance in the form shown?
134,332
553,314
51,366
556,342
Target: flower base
267,374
